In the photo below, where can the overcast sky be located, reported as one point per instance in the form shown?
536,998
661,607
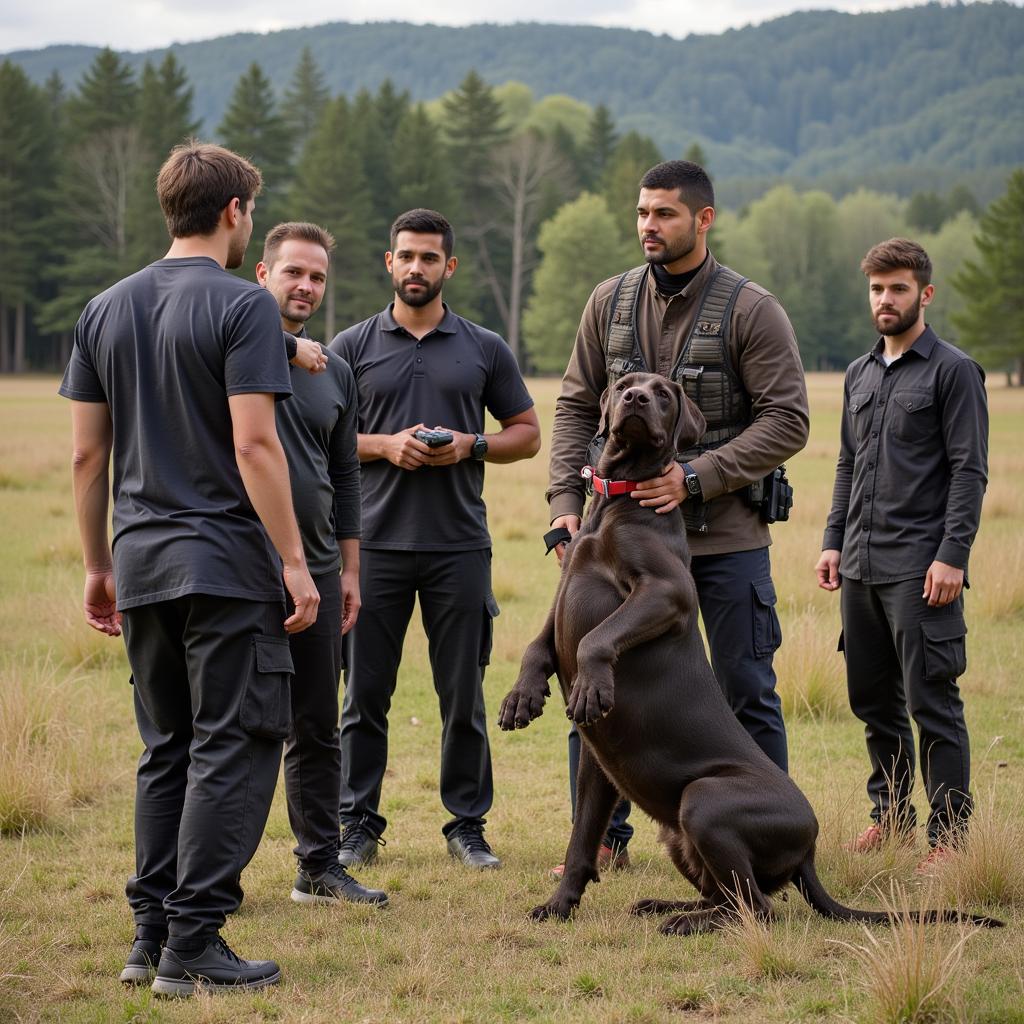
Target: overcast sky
151,24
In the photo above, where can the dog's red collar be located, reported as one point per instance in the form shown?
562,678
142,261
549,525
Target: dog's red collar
609,488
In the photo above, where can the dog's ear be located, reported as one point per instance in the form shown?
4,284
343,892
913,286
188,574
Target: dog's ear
690,423
606,404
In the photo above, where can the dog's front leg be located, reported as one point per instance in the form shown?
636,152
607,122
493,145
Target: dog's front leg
525,701
596,798
653,606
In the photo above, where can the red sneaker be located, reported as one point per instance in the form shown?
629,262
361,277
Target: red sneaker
874,837
938,857
607,860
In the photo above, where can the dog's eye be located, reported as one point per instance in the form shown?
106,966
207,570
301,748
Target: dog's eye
620,386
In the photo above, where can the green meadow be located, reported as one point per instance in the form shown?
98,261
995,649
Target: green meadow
455,946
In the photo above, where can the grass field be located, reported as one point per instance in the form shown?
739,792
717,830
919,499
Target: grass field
455,946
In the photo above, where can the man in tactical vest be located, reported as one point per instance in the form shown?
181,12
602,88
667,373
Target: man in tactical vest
731,346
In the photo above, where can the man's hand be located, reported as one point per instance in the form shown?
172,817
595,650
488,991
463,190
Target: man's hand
350,599
942,584
461,447
304,595
662,493
403,450
309,355
570,523
98,603
828,569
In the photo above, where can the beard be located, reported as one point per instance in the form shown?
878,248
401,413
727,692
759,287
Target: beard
903,323
416,299
300,314
236,252
672,252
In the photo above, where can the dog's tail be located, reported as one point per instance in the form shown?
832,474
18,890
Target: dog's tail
809,885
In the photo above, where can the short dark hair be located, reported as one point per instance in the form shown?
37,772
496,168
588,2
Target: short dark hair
295,229
898,254
425,222
197,181
690,180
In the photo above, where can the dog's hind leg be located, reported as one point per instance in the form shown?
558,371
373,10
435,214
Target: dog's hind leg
596,798
684,858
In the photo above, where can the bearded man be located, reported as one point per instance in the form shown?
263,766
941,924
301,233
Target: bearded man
424,530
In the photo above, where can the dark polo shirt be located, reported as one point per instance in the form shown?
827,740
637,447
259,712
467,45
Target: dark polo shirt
317,427
448,378
913,462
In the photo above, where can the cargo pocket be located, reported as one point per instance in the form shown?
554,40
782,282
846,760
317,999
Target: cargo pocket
945,648
861,406
266,708
491,612
767,631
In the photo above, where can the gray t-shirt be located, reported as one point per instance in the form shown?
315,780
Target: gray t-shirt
164,349
448,377
317,427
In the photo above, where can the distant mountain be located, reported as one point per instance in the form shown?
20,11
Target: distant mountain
809,95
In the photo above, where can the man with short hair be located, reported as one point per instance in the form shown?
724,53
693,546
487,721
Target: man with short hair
731,347
906,505
317,427
425,529
176,370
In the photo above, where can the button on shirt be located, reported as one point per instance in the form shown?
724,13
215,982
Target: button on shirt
913,462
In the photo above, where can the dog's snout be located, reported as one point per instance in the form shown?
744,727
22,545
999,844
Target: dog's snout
635,395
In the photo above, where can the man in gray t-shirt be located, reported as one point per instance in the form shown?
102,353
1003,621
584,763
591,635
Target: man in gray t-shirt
317,426
175,371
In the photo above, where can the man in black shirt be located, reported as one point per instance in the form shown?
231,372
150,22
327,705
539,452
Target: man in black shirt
425,530
176,370
905,510
317,427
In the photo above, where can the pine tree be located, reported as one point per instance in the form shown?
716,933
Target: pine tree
26,172
92,201
254,128
601,142
304,99
164,119
634,155
992,322
331,189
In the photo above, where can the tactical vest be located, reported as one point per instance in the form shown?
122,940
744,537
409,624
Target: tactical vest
703,370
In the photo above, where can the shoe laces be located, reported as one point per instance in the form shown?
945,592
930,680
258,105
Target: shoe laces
222,945
473,839
353,836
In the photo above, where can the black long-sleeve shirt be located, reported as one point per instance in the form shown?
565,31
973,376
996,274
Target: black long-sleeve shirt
913,462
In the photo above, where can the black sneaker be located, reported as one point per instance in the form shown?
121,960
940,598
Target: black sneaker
140,967
217,968
358,846
334,886
467,844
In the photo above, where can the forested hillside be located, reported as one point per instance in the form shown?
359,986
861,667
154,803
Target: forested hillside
806,95
540,186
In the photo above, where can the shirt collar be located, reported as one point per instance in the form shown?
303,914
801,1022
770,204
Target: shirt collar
694,286
922,346
448,324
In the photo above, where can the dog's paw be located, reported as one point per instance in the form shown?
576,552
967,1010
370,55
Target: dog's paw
558,910
589,702
519,709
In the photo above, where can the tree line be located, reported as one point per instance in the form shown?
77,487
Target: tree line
542,195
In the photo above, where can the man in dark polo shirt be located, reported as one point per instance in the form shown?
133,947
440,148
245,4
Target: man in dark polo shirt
912,470
317,427
176,370
748,381
417,364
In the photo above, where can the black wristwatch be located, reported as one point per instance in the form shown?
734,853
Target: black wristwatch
692,481
479,449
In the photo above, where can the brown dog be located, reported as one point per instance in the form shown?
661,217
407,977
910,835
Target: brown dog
622,638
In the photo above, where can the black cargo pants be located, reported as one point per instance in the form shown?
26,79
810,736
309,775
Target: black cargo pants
902,661
212,703
457,606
